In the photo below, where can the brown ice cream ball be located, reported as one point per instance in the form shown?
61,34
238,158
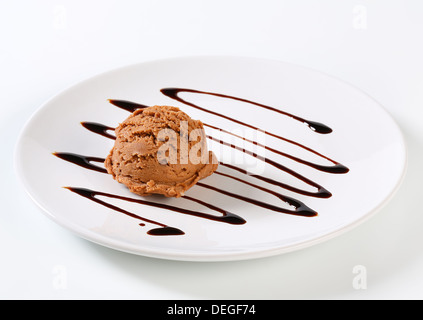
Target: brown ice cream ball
161,150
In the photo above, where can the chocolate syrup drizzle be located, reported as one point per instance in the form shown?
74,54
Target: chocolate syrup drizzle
226,216
297,207
173,93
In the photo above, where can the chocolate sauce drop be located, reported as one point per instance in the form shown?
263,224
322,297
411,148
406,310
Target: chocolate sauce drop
165,231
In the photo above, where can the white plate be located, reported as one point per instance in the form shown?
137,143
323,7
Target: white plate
364,138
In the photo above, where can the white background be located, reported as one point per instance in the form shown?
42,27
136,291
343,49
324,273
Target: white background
376,45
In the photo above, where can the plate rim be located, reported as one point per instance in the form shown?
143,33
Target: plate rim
175,254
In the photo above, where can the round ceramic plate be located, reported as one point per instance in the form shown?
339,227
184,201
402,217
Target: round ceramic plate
303,157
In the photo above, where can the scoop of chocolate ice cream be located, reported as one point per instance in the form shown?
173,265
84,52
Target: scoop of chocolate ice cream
161,150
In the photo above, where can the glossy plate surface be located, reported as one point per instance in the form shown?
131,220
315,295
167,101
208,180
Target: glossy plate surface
365,139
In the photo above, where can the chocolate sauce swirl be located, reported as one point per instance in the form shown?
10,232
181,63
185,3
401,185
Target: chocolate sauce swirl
99,129
321,191
91,195
173,93
164,229
82,161
300,208
296,207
